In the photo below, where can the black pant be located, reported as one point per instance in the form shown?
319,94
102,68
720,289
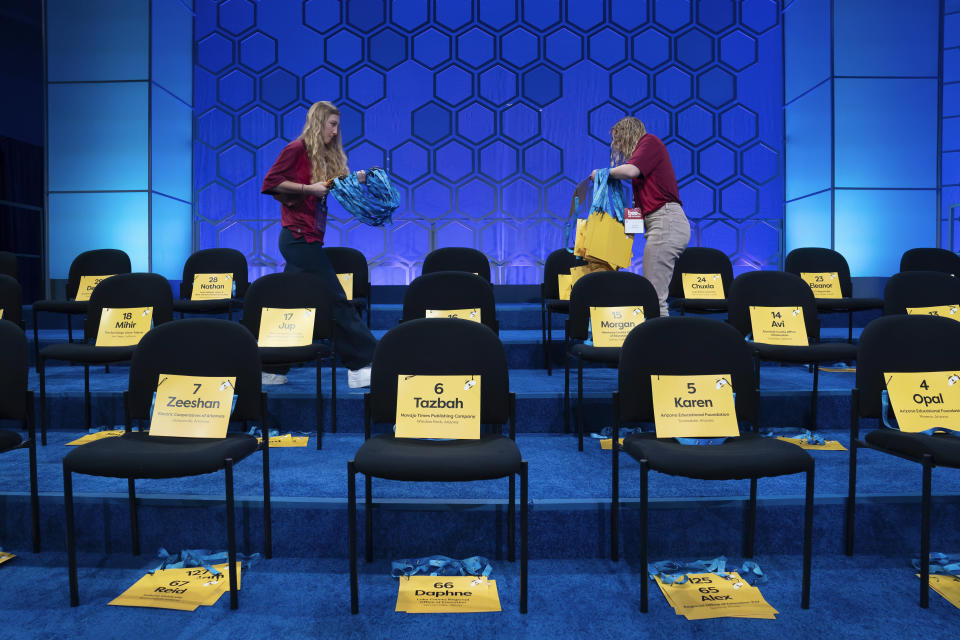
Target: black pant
354,342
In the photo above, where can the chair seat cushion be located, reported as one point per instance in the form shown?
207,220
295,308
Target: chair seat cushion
748,456
848,304
944,448
9,440
555,305
596,354
384,456
206,306
138,455
289,355
61,306
821,352
88,353
703,305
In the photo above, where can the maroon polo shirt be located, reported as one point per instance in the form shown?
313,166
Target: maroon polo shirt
657,184
305,216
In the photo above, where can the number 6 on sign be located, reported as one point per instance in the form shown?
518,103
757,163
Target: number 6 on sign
438,407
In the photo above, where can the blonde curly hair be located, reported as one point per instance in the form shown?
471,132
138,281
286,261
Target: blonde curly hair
624,136
327,160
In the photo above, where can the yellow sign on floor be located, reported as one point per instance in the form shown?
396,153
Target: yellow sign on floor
181,589
5,556
606,444
287,440
925,400
946,586
447,594
823,285
438,407
828,445
707,595
702,286
699,406
779,325
99,435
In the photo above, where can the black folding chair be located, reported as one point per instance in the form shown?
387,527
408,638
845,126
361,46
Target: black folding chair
126,290
199,347
350,260
443,290
930,259
457,259
11,300
696,346
700,260
8,264
558,262
16,403
441,346
297,290
819,260
902,343
599,289
217,260
912,289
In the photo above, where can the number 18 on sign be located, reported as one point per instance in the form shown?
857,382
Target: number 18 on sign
438,406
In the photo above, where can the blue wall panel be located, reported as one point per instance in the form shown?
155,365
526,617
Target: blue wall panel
171,134
172,234
85,221
171,41
487,114
807,42
886,37
808,141
807,222
97,40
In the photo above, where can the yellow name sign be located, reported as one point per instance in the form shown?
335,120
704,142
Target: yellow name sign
447,594
123,327
778,325
463,314
699,406
4,556
192,406
212,286
702,286
438,407
183,589
824,285
707,595
922,401
87,285
286,327
346,282
610,325
564,284
951,311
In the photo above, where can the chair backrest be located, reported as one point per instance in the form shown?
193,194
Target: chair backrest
683,346
440,346
817,259
8,264
450,290
297,290
903,343
930,259
130,290
770,289
350,260
919,289
11,298
99,262
559,261
13,373
609,289
217,260
198,347
701,260
457,259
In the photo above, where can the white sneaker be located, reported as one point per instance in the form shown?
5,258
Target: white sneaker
357,378
272,378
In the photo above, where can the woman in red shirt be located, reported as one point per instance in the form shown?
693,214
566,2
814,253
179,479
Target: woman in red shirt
298,179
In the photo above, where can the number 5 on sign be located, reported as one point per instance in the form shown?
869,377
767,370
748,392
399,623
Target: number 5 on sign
694,406
438,407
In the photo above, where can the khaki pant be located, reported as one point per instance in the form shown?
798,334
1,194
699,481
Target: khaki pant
667,232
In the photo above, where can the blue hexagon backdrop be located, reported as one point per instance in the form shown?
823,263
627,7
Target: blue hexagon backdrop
487,113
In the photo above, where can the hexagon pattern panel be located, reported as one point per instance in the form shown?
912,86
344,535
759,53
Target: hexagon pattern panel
487,113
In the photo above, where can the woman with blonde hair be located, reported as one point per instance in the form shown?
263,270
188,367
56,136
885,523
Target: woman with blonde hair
642,158
298,179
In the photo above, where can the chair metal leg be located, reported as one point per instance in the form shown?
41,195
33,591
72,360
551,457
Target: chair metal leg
333,394
71,540
615,495
134,520
352,527
579,403
368,516
43,400
927,463
851,499
566,393
231,531
814,395
549,343
34,493
807,541
512,520
644,472
69,328
751,524
524,506
36,343
543,334
850,326
267,511
319,410
87,410
756,370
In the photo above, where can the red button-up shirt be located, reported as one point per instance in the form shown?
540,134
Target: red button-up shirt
305,216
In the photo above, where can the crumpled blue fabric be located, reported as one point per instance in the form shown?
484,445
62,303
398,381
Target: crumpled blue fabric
441,566
372,202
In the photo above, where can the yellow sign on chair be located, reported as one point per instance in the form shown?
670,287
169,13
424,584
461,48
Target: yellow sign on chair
87,285
346,281
123,327
951,311
212,286
694,406
564,284
286,327
192,406
438,407
779,325
463,314
702,286
823,284
447,594
610,325
925,400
